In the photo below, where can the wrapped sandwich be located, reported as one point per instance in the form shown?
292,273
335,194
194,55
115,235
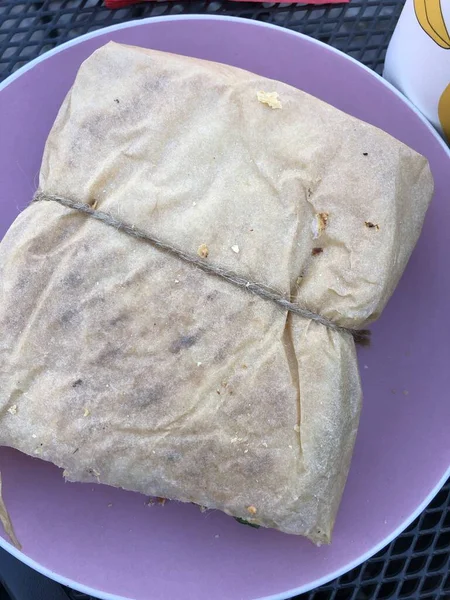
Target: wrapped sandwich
179,305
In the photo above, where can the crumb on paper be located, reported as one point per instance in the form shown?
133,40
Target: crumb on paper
161,501
244,366
217,536
299,280
65,473
13,409
86,412
316,251
264,444
110,505
150,502
194,204
235,249
38,450
92,471
405,393
319,224
297,428
34,436
393,392
371,225
272,99
199,364
252,510
203,251
366,366
94,204
176,281
203,509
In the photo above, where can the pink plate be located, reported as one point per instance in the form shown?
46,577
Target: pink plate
402,456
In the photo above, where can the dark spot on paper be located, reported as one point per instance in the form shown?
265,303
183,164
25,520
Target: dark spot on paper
155,394
212,295
116,100
309,192
145,397
75,451
108,354
365,154
258,466
77,383
68,316
371,225
129,282
220,356
119,319
95,124
173,457
316,251
183,343
73,280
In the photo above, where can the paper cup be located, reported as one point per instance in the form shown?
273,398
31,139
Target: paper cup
418,59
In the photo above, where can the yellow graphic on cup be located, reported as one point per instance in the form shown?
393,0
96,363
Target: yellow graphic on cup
444,112
430,17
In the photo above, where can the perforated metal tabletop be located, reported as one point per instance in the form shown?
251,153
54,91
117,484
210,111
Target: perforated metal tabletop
417,563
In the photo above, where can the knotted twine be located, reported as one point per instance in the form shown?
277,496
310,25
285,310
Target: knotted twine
361,336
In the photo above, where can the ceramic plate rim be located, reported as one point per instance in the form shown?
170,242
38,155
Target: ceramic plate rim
201,17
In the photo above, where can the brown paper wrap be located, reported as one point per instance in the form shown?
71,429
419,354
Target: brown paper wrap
129,367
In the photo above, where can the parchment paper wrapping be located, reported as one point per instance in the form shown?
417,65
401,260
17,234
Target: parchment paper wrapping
126,366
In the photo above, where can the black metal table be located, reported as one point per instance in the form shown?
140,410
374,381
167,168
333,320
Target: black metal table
417,563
